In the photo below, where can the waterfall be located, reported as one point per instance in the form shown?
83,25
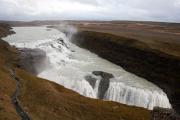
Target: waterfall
122,93
69,66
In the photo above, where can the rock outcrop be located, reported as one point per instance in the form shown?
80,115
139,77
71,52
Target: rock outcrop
103,83
5,30
32,60
164,114
91,80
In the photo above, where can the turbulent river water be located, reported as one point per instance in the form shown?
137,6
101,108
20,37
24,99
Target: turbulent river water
68,65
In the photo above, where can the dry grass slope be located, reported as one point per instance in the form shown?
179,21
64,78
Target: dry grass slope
46,100
7,85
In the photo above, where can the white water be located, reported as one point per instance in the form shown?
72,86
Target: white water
69,66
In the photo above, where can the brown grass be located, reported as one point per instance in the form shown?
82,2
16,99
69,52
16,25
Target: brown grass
46,100
7,85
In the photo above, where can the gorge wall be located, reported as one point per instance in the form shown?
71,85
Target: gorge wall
157,67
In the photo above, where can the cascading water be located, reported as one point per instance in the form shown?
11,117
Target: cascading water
69,65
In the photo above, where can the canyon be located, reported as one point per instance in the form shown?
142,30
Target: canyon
59,57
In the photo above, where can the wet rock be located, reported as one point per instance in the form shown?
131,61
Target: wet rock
104,82
32,60
61,41
164,114
91,80
104,75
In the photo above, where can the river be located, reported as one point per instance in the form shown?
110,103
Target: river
69,64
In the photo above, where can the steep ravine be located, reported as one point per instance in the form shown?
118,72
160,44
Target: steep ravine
67,65
159,68
43,99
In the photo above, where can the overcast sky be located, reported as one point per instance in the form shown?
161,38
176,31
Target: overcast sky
151,10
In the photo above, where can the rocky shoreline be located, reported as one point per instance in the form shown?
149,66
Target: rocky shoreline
157,67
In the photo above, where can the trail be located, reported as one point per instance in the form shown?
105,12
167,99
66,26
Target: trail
14,99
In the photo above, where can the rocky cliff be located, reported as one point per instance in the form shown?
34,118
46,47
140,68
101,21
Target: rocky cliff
136,57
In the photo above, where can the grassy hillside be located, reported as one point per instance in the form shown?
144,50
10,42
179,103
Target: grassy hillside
45,100
7,85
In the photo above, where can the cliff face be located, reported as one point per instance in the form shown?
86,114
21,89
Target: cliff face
134,56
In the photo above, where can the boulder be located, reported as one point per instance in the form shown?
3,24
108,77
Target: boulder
104,82
91,80
164,114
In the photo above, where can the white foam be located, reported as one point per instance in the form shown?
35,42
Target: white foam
136,96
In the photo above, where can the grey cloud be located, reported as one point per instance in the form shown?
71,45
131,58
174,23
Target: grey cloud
92,2
152,10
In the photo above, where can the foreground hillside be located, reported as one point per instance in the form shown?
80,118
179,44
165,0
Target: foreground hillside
7,85
45,100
